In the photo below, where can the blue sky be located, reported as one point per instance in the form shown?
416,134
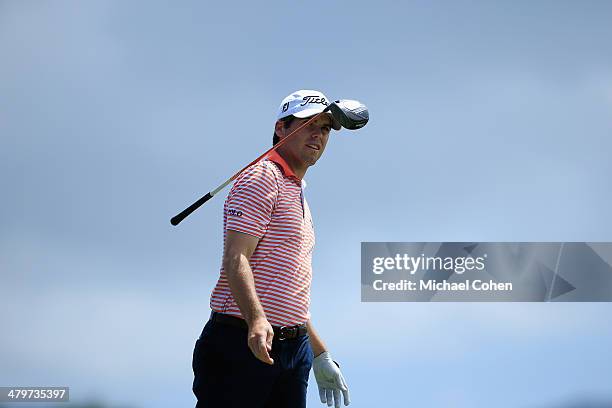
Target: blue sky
490,121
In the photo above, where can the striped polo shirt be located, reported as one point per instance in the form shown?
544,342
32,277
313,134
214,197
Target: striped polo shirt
267,201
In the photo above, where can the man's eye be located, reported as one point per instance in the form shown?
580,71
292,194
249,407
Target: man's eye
326,128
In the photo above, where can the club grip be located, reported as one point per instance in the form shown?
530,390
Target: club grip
180,217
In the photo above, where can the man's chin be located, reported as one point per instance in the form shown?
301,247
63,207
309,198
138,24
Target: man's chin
311,161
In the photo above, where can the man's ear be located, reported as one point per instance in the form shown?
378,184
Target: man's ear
279,128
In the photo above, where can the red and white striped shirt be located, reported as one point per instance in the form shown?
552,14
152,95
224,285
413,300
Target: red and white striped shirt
267,201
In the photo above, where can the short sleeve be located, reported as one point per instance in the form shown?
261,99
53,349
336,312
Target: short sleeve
251,201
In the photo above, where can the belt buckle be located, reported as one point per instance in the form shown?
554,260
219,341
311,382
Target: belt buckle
287,332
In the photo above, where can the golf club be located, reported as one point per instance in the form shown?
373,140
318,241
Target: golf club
349,113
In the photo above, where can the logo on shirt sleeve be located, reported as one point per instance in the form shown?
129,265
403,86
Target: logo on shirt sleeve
237,213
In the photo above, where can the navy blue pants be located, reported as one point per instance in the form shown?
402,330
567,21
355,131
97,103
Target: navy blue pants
227,374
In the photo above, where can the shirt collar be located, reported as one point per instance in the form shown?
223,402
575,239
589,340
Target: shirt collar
276,158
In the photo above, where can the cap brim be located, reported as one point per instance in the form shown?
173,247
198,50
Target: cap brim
306,113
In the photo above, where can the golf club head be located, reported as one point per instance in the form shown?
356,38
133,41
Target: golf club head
350,113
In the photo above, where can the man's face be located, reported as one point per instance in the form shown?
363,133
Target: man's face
306,146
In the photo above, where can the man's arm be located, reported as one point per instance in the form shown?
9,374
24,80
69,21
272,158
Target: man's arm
236,255
316,343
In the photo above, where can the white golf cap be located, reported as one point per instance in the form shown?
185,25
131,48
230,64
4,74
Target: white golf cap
304,104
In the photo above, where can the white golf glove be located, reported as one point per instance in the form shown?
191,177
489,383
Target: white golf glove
330,380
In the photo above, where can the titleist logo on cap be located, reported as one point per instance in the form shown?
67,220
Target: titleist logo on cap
313,99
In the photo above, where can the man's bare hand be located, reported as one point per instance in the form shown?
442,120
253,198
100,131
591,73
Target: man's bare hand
260,339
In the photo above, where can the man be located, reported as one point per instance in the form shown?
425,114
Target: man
259,344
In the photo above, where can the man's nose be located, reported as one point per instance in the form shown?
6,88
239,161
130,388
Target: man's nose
315,131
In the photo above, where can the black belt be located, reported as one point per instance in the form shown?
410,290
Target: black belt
280,332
